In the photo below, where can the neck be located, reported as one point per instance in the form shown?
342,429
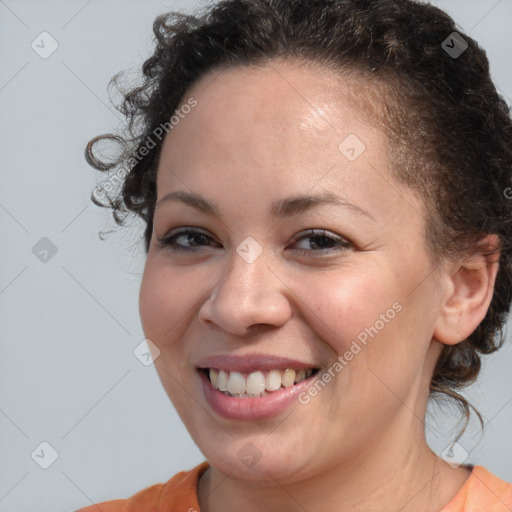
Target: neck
406,476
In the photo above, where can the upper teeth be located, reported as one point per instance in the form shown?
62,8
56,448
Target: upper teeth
255,384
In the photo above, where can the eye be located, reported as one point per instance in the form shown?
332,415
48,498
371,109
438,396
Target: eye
322,241
191,236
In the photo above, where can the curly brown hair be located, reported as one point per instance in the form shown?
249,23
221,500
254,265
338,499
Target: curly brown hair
450,130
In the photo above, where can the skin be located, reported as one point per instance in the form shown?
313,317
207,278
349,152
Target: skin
259,135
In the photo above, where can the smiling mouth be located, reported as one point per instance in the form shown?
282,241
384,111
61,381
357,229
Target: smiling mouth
256,384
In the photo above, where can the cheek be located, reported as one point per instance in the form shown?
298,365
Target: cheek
344,306
366,320
166,299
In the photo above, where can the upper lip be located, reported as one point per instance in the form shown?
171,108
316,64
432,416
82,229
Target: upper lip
249,363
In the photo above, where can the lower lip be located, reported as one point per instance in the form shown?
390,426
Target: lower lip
251,408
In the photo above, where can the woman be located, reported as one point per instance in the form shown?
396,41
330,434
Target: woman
324,185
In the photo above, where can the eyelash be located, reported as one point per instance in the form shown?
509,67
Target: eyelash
169,242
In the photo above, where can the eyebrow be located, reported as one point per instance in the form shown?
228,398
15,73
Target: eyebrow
283,208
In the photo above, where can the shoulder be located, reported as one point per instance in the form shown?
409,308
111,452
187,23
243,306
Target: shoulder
179,493
482,492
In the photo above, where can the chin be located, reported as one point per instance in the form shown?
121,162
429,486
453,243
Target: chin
258,458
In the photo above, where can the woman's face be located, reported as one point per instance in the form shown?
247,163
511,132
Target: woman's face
253,293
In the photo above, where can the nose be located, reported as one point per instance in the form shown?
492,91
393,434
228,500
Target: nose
247,295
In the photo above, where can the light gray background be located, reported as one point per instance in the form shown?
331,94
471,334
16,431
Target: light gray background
69,326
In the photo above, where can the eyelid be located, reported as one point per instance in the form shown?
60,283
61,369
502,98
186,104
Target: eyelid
318,232
341,242
164,241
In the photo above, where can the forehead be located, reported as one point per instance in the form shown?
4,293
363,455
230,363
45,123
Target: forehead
281,129
302,93
286,110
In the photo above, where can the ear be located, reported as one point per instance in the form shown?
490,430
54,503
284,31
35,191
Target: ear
469,291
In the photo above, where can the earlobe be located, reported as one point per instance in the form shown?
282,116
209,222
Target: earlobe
469,292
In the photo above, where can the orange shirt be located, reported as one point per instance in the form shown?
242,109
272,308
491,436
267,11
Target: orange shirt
482,492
